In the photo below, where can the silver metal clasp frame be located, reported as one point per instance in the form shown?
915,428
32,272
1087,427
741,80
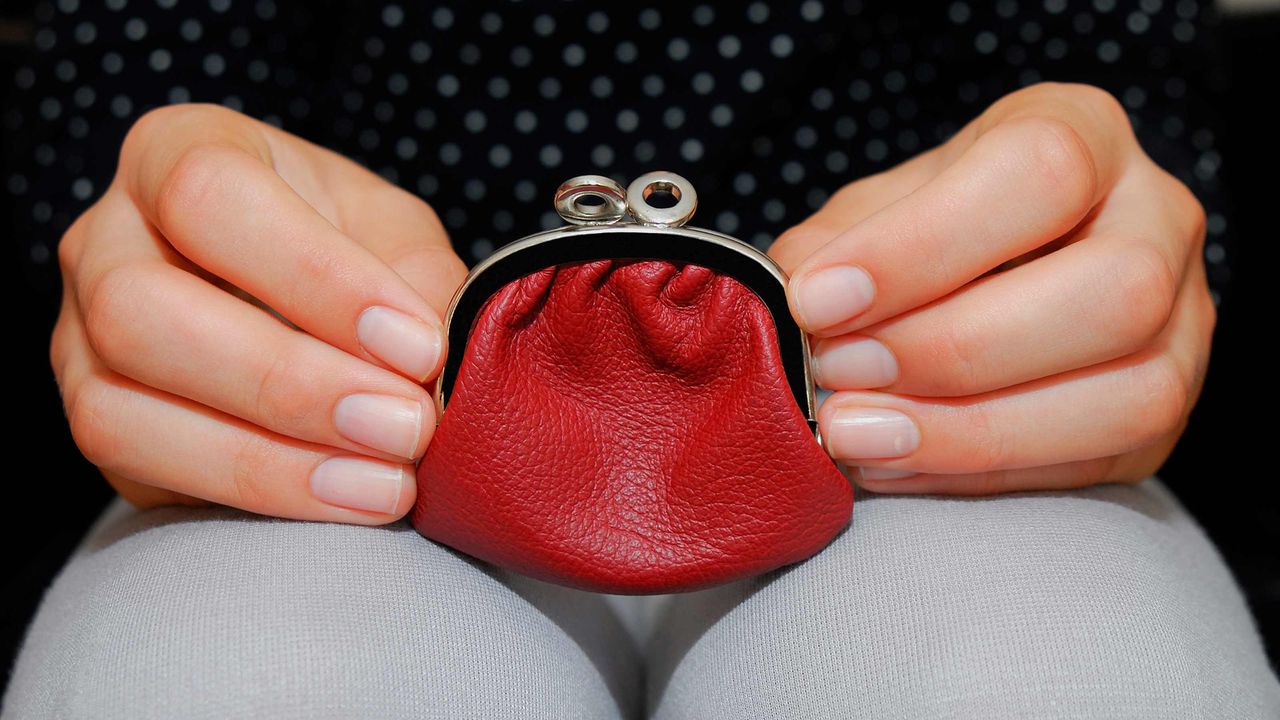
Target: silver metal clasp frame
646,220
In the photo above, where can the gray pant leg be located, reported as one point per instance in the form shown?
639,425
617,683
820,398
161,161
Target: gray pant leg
1101,603
186,613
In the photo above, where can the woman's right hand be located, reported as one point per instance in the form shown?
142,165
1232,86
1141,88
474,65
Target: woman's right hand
180,379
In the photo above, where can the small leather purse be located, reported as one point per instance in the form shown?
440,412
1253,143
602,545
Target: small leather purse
627,406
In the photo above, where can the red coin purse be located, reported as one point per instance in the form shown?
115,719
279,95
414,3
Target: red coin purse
626,405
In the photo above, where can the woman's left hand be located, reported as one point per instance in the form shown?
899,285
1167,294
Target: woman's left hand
1022,308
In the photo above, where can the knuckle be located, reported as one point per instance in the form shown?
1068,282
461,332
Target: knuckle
990,449
1197,216
250,465
92,407
312,276
70,246
1146,289
111,306
1189,213
1059,159
197,172
960,353
1209,311
59,352
277,402
1164,397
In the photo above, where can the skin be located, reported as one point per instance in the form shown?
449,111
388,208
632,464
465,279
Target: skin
177,382
1037,282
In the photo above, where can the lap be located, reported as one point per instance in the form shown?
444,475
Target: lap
210,613
1106,602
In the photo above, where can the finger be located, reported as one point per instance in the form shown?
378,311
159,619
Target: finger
119,424
398,227
1101,298
405,233
1127,468
213,193
1022,182
852,204
231,356
1108,409
68,331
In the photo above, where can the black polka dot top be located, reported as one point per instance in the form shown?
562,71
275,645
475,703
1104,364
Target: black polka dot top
483,108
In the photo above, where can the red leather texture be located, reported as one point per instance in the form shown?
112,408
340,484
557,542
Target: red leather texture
625,426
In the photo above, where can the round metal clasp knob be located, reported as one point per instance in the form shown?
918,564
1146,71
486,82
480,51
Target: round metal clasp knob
591,200
645,190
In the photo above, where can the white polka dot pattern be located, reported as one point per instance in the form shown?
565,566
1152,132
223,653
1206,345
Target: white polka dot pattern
482,109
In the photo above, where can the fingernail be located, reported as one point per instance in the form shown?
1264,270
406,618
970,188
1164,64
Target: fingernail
358,484
856,363
870,473
403,342
871,433
382,422
832,295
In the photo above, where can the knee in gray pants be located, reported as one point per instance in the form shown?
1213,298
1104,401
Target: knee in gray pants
1100,603
199,613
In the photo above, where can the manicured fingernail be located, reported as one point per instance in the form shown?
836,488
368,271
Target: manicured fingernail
403,342
832,295
359,484
870,473
859,362
383,422
871,433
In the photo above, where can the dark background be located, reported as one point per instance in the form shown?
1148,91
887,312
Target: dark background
1217,469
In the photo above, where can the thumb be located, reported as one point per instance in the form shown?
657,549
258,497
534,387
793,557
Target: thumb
395,225
405,233
849,206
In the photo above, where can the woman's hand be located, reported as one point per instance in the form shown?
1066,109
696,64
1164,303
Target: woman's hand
1024,307
179,378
